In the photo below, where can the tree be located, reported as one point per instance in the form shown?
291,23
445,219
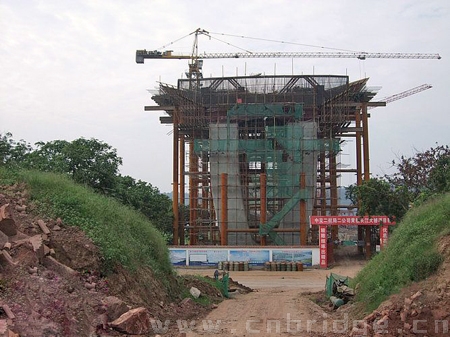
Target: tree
93,163
418,177
11,151
415,173
88,161
49,157
378,197
142,196
440,175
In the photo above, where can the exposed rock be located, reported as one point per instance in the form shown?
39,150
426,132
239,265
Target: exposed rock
33,270
8,311
134,322
370,317
60,268
195,292
20,208
43,227
89,286
403,316
416,295
36,242
3,327
115,307
77,254
3,239
440,314
8,226
12,334
186,301
6,259
408,303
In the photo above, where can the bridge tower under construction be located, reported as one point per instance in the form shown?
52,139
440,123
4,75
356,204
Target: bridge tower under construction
258,155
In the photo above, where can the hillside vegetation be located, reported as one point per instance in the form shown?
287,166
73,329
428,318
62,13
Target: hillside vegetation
411,255
125,237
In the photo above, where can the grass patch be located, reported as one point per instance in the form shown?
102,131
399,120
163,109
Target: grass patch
215,283
410,256
202,299
123,235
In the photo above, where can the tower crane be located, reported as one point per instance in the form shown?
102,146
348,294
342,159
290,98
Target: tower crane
196,60
404,94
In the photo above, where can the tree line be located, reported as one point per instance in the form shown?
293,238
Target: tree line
417,179
92,163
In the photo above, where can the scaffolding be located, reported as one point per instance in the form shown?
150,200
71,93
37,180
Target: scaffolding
259,154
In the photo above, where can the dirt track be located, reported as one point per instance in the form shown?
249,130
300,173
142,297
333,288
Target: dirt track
275,308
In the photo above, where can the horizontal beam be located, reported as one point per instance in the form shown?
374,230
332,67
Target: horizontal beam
358,104
351,129
166,120
158,108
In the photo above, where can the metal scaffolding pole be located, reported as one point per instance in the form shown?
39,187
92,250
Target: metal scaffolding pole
175,182
182,188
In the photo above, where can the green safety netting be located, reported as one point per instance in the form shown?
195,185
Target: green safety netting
283,149
333,281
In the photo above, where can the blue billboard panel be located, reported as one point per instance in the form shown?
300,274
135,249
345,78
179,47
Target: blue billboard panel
206,257
293,255
252,256
178,257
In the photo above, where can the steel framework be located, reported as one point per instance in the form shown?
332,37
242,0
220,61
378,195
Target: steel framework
259,154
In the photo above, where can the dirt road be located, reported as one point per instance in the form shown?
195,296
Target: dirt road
278,307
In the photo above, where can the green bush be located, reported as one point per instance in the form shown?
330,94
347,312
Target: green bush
411,254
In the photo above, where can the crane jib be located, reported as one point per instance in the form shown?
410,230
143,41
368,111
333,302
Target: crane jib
141,55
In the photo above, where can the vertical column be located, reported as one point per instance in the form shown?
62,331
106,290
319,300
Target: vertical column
333,194
203,210
175,179
323,246
205,186
224,209
358,147
359,167
263,202
365,125
182,190
323,188
303,220
192,199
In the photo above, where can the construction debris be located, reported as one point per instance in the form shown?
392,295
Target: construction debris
337,290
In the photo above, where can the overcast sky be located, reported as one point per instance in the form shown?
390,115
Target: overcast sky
67,67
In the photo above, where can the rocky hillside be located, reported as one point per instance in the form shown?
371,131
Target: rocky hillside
51,283
421,309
